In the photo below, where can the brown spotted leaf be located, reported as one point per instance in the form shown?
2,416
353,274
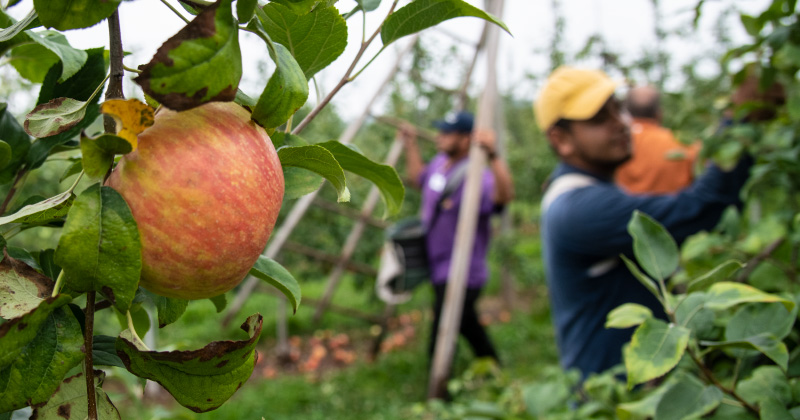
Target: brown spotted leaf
199,64
200,380
131,115
22,288
36,351
54,117
69,402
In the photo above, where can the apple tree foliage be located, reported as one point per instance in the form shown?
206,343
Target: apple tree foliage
50,358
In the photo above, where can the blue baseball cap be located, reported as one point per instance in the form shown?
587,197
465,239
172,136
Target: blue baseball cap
460,122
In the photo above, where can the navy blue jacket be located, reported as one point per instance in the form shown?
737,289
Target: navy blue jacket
583,232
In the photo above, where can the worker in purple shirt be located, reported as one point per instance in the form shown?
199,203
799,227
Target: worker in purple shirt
453,144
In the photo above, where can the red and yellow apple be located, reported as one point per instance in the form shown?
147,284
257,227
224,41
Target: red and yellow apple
205,187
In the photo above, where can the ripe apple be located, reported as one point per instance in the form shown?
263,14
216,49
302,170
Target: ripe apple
205,187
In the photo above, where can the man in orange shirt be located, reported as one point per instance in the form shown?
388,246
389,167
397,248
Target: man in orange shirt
660,164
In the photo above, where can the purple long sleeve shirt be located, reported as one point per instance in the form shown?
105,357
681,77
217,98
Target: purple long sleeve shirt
441,235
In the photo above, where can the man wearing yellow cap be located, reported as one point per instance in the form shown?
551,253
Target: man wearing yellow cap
585,215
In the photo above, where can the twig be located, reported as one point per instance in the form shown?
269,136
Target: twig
175,11
13,190
345,79
758,259
117,69
713,379
87,345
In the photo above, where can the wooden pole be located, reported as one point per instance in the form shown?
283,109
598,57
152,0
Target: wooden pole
301,206
450,323
355,234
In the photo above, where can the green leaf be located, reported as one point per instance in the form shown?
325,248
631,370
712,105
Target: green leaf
169,309
36,351
201,63
16,28
383,176
71,59
656,348
653,246
719,273
299,182
74,14
54,117
766,382
220,302
140,318
287,88
80,87
19,37
13,134
245,10
628,315
22,288
104,351
765,343
42,212
100,248
646,407
74,169
315,39
299,7
647,282
724,295
774,410
5,153
98,153
280,139
688,399
70,401
200,380
273,273
47,263
692,313
368,5
752,25
757,318
32,61
422,14
319,160
23,255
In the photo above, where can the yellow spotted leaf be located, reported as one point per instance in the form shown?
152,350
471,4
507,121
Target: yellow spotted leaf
132,117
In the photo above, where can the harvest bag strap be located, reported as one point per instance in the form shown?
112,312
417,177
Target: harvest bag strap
455,180
565,184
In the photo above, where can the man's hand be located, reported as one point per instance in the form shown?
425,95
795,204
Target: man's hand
407,133
486,139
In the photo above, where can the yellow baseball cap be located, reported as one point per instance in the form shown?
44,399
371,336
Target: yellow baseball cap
574,94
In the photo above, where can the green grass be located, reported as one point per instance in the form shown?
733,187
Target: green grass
386,389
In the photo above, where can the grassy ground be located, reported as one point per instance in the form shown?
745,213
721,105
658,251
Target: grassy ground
388,388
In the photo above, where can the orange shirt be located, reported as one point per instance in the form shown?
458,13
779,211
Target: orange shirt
660,163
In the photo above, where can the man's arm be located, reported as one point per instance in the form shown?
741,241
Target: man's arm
407,133
503,184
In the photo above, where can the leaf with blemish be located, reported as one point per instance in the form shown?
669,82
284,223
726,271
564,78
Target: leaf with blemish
70,401
22,288
42,212
54,117
199,64
36,351
200,380
98,153
131,115
100,247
